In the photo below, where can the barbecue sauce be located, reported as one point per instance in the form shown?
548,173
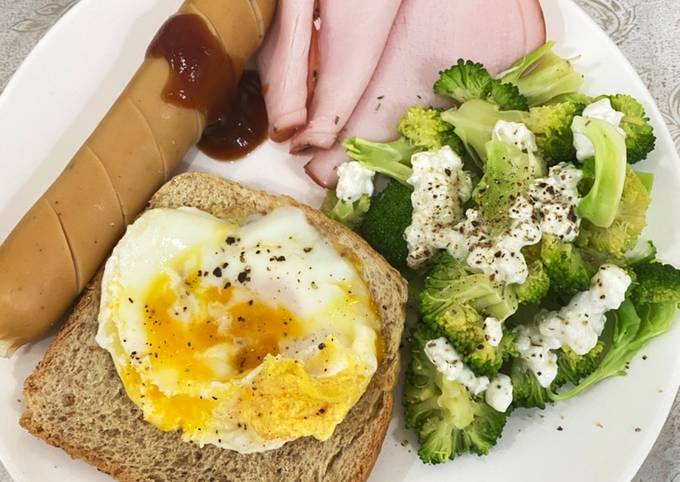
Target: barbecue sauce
242,126
202,76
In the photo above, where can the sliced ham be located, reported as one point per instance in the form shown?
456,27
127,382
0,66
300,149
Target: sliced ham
352,37
429,36
314,55
283,64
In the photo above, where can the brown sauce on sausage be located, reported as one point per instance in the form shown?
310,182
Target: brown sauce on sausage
202,76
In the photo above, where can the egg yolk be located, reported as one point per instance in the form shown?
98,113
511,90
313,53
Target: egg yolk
317,406
165,412
255,328
168,412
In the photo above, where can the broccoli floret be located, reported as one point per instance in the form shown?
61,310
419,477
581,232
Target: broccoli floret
435,435
421,390
623,233
464,81
426,130
482,434
526,391
507,173
351,214
451,283
468,80
455,303
541,75
551,125
449,421
572,368
459,322
385,222
569,273
656,283
392,159
463,327
440,439
485,359
475,120
536,286
507,96
634,327
601,204
640,138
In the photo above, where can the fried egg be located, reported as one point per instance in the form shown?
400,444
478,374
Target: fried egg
244,337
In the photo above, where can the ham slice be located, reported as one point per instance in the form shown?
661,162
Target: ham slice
429,36
314,55
283,65
352,37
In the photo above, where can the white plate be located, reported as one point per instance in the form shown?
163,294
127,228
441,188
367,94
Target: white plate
76,72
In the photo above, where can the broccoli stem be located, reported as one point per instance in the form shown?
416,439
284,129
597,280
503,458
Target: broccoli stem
391,159
601,204
475,120
541,76
518,69
351,214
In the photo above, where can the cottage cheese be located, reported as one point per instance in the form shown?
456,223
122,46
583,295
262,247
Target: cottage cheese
440,187
450,364
499,393
354,180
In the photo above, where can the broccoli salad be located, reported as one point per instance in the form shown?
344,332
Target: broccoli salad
517,216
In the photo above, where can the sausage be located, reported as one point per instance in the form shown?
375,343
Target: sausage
58,246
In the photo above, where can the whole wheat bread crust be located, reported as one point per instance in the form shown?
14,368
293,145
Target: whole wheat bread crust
76,401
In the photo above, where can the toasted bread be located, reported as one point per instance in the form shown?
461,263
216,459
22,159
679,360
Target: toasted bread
76,401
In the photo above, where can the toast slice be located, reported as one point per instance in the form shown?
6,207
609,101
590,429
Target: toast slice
76,401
